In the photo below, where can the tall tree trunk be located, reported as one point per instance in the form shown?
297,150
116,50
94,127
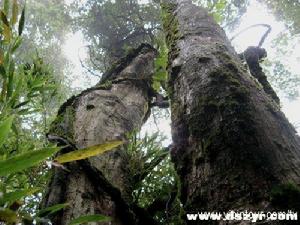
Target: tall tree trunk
233,147
117,105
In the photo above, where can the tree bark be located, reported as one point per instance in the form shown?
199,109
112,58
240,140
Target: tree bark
110,110
233,147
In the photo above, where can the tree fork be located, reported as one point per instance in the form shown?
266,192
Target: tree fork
119,104
232,145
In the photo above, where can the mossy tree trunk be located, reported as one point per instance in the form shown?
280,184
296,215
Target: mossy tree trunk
108,111
233,147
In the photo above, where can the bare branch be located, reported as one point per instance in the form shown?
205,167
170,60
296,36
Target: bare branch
269,28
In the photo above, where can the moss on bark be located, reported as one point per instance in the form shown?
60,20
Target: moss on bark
223,124
286,197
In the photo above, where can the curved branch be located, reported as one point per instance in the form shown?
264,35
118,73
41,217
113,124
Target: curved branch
269,28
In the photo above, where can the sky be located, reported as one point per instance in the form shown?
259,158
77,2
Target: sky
256,13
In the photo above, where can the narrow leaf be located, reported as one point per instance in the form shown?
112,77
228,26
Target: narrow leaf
90,218
15,11
39,82
4,87
2,71
21,104
6,33
17,195
5,129
1,57
22,22
15,129
6,6
44,88
24,111
16,44
17,92
52,209
4,18
25,160
10,84
88,152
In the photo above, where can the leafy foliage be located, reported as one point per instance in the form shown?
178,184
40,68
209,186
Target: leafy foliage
52,209
114,27
160,64
154,179
226,12
23,87
25,160
283,77
286,11
46,28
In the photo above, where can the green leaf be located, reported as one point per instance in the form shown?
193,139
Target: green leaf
10,84
88,152
6,6
21,22
25,111
1,57
25,160
51,209
90,218
160,75
17,195
38,82
21,104
2,71
6,33
4,18
8,216
156,85
15,11
5,129
220,5
17,92
32,95
15,129
16,44
44,88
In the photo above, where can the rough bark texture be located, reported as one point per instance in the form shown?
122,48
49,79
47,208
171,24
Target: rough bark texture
117,105
233,146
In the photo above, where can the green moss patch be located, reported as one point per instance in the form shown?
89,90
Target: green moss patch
286,196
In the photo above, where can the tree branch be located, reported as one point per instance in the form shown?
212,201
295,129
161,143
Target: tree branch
269,28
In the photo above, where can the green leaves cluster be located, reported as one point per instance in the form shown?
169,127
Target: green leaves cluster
9,21
287,12
226,12
25,88
111,27
153,176
22,86
160,65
